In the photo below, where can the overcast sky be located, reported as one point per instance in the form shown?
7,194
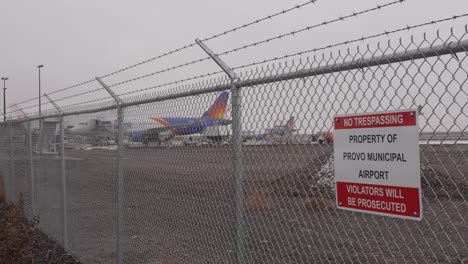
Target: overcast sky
77,40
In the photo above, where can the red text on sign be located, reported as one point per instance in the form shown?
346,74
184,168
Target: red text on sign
379,198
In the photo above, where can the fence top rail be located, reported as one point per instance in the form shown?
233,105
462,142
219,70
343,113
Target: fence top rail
407,55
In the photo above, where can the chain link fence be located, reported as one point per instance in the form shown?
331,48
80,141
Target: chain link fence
241,170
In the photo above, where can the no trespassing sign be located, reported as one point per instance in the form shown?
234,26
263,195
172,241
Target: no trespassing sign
377,163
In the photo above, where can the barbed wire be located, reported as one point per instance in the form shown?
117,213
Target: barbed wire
26,101
389,32
71,87
122,94
77,95
171,83
386,32
210,38
161,71
88,102
325,23
50,93
20,110
354,14
342,18
257,21
71,105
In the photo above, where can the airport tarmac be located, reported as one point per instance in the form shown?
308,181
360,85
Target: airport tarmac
179,207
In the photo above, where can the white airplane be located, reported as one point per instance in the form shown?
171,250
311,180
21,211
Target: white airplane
274,132
90,128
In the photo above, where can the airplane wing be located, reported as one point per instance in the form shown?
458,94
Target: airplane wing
159,129
172,127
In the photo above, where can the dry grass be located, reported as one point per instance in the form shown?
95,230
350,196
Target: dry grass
314,203
22,243
259,200
14,237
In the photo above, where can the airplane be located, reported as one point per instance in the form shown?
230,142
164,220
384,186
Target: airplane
176,126
88,128
156,129
94,131
276,131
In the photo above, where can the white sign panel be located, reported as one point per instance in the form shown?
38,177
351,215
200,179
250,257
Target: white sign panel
377,163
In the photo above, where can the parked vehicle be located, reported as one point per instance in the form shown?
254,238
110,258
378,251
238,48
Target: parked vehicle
324,137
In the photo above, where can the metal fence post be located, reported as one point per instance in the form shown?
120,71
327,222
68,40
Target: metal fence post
62,173
64,183
12,167
30,160
41,135
120,176
238,170
31,170
120,180
237,153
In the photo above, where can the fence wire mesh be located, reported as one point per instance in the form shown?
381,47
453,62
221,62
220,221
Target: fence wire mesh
169,194
91,173
21,162
6,161
47,178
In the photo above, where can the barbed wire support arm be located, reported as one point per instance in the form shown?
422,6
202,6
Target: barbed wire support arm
237,150
120,179
62,172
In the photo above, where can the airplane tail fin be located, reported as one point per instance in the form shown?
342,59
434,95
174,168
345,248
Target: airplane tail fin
290,123
218,109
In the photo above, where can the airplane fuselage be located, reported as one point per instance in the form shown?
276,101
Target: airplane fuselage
176,126
190,125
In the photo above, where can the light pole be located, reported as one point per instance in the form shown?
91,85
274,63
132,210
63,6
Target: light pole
4,98
40,121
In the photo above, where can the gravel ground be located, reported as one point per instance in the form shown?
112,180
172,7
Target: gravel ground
179,208
21,242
